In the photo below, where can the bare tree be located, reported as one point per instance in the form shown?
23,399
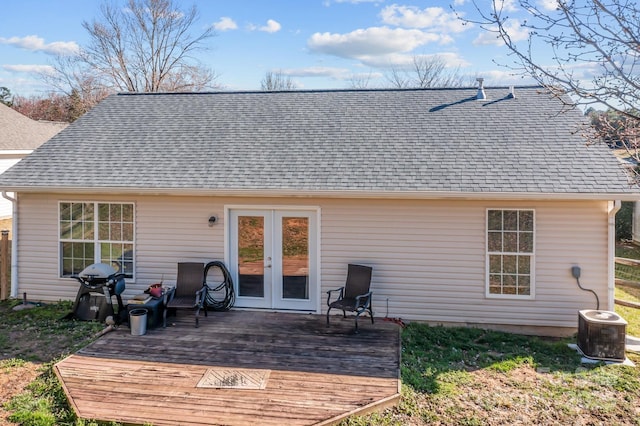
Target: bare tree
360,81
426,72
594,46
147,48
277,81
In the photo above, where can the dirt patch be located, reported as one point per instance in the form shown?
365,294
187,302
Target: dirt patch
13,381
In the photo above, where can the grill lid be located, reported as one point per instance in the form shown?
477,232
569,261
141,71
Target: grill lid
97,271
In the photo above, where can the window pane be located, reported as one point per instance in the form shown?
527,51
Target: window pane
524,265
103,215
524,285
494,220
88,231
77,231
494,241
65,211
295,258
116,232
115,212
127,232
509,284
103,231
65,230
526,220
76,211
510,220
510,242
127,213
67,250
526,242
495,284
67,267
251,256
509,264
495,264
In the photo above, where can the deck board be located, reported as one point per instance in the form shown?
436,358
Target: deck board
317,374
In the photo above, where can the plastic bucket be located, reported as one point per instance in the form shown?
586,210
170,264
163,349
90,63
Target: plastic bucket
138,322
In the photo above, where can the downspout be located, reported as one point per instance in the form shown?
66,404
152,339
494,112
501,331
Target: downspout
614,206
14,244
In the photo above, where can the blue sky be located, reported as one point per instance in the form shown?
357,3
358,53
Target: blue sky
320,44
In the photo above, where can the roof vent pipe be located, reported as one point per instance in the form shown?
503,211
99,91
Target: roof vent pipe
512,92
481,95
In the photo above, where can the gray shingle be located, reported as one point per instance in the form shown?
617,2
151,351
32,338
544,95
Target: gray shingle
440,140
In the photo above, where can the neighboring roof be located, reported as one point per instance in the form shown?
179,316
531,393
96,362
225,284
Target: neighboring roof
18,132
420,142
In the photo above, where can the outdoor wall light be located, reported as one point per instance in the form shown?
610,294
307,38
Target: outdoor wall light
212,220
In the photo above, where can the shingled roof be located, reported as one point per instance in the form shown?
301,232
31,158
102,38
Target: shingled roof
18,132
421,142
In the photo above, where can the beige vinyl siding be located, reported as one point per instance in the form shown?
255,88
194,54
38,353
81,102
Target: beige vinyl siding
428,255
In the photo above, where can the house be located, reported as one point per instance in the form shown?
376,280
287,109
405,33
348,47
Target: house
470,209
19,136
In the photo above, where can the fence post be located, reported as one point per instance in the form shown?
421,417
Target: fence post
5,265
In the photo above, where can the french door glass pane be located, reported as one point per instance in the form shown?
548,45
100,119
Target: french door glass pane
295,258
251,256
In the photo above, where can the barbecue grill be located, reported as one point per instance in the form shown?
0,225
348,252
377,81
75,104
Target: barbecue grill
99,282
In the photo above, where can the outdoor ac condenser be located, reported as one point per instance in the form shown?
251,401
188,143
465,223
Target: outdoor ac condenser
601,334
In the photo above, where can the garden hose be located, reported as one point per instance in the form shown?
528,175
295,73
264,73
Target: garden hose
220,297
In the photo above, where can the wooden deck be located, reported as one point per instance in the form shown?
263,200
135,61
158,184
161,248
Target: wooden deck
315,374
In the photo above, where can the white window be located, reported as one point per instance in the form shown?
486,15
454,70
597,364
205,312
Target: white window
96,233
510,253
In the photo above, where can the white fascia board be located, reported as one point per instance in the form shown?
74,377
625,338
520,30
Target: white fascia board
15,153
297,193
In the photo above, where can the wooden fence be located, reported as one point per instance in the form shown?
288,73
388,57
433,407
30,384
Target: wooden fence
627,274
5,265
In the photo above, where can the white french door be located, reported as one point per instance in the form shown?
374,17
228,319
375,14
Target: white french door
273,258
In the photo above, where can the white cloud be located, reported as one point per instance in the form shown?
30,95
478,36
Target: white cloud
402,60
548,4
37,44
435,18
334,73
504,78
34,69
509,5
513,28
328,2
225,24
331,72
271,27
459,2
372,42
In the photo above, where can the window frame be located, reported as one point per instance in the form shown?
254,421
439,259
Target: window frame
96,241
531,255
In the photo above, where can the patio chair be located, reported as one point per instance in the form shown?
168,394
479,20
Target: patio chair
355,296
191,290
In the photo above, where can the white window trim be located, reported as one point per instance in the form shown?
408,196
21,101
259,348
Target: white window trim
96,241
532,292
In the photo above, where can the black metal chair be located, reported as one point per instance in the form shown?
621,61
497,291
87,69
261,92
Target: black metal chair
191,290
355,296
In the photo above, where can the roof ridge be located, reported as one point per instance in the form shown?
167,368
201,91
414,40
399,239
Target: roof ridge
346,90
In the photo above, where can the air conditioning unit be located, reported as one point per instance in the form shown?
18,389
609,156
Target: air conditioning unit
601,335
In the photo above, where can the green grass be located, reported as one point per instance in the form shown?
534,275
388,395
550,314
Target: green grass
462,376
40,334
467,376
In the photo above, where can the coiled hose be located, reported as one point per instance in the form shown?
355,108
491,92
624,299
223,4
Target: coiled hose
220,297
